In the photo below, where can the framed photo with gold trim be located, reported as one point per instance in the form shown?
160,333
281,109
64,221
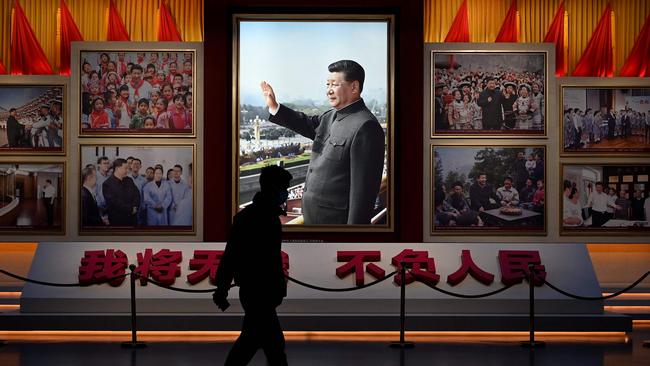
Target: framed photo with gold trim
332,77
136,89
488,190
480,90
32,197
33,115
604,116
605,199
137,189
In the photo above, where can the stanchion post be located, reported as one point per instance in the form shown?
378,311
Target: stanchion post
531,343
134,325
402,312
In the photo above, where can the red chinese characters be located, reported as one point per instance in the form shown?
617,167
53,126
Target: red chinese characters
422,268
514,266
355,261
204,263
98,266
163,266
467,266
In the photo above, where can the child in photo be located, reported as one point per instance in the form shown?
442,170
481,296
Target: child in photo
141,113
99,118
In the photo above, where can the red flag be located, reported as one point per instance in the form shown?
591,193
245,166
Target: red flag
2,68
69,34
638,62
509,31
598,58
27,56
116,29
166,28
555,35
459,31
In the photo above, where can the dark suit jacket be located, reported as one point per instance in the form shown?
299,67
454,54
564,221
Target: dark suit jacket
346,163
492,110
89,210
121,197
14,131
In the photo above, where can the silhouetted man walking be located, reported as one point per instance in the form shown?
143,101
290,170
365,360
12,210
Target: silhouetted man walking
254,260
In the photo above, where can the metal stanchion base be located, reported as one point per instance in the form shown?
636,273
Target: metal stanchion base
402,345
646,344
134,345
536,344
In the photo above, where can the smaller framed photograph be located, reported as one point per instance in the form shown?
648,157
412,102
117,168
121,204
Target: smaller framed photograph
137,189
32,198
136,89
488,92
486,190
604,116
33,110
605,199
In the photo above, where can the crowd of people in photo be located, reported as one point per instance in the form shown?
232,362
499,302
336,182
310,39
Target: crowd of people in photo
148,91
588,127
524,189
263,153
603,204
479,100
118,194
37,123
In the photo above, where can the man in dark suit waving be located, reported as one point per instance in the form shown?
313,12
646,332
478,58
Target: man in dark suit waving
347,158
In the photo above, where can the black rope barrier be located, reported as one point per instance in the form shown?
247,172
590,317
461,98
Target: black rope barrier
179,289
612,295
345,289
463,296
44,283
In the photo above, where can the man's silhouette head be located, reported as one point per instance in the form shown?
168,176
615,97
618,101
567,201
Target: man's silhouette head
274,181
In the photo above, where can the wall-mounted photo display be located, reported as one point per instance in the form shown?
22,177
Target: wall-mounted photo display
314,93
127,89
32,198
137,189
605,199
488,190
610,117
488,93
32,114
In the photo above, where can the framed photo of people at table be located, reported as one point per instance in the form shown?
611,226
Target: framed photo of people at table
329,120
488,91
142,189
605,199
488,190
32,198
604,116
33,115
136,89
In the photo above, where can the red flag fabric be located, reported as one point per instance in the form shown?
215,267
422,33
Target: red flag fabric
638,62
166,27
509,31
69,33
459,31
116,29
2,68
27,56
555,35
598,58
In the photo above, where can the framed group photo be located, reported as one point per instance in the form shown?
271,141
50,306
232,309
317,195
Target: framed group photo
139,189
488,92
314,94
488,190
33,115
136,89
604,116
605,199
32,198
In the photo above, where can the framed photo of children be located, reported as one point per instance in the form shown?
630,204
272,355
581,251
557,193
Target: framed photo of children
605,199
137,189
487,92
486,190
32,198
327,119
605,117
32,114
129,89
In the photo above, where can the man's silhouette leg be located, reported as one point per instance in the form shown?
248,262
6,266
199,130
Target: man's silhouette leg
273,343
248,342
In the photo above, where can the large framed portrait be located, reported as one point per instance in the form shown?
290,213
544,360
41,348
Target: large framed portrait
488,190
314,94
136,89
32,198
604,116
487,92
137,189
32,114
605,199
